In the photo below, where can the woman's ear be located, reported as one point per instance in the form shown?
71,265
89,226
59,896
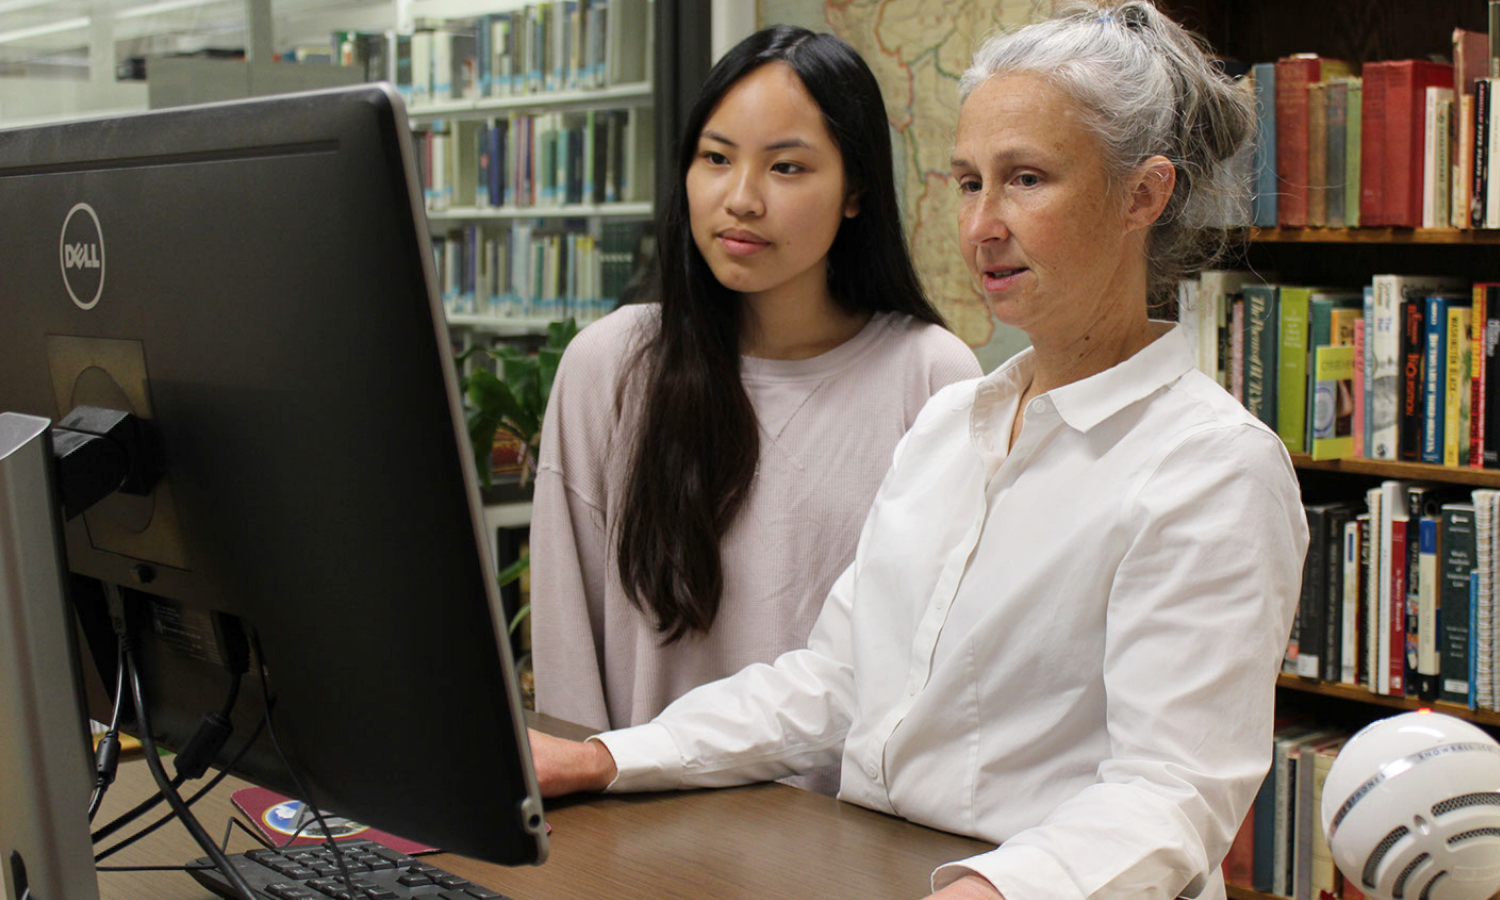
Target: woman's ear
851,204
1150,188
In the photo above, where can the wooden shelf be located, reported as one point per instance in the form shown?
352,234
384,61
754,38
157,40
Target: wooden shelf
1451,236
1240,892
640,210
1384,468
498,324
620,96
1360,695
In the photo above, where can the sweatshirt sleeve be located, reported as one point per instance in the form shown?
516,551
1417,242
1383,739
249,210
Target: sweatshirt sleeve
570,558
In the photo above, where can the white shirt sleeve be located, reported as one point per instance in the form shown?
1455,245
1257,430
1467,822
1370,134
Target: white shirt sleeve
1187,637
762,723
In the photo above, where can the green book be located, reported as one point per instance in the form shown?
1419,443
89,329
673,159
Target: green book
1291,370
1351,153
1260,351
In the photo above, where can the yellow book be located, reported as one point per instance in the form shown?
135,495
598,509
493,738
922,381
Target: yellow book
1333,402
1460,355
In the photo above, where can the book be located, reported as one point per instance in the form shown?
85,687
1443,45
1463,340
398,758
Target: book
1336,141
1217,291
1458,563
1479,171
1384,364
1487,345
1437,157
1457,392
1422,655
1406,82
1323,876
1261,315
1436,377
1360,388
1293,320
1353,152
1479,300
1331,316
1293,131
1356,561
1263,201
1317,154
1413,375
1390,584
1332,407
1372,147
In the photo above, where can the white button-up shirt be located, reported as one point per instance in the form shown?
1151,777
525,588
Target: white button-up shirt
1068,647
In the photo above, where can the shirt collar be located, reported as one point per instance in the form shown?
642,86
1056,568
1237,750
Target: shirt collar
1089,401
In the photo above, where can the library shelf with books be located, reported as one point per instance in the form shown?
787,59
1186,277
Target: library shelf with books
533,130
617,209
622,96
1373,235
1279,852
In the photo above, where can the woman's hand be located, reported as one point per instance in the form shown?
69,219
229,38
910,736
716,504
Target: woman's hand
565,767
969,887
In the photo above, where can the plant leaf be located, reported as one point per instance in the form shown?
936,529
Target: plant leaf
513,571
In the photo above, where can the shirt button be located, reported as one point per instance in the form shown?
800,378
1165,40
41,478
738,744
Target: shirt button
1038,405
873,772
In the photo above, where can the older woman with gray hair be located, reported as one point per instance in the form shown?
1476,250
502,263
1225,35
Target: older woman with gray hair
1068,606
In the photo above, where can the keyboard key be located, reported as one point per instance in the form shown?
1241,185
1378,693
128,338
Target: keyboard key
413,879
483,893
451,881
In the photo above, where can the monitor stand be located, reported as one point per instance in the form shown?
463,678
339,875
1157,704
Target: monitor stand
44,833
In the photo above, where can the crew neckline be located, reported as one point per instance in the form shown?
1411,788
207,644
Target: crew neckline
760,368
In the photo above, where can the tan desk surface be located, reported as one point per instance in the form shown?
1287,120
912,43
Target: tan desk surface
764,842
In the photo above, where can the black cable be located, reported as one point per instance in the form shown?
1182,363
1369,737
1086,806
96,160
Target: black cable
235,821
107,754
197,752
139,810
208,786
307,798
153,762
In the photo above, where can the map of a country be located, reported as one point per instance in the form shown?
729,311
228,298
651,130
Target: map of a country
918,49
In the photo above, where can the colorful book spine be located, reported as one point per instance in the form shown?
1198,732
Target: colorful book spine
1434,376
1457,545
1260,351
1263,204
1291,375
1456,392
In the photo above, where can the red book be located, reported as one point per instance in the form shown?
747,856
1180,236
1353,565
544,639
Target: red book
1397,624
1293,75
1239,862
1406,84
1372,145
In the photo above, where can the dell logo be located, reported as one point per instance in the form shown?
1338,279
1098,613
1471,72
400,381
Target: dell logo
81,256
81,249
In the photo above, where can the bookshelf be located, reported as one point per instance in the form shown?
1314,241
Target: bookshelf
1361,33
534,133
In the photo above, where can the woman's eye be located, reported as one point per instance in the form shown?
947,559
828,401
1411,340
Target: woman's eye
786,168
717,159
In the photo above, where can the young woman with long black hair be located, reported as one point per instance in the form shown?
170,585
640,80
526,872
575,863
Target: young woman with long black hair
708,459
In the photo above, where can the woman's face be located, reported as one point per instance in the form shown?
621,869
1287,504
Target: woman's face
766,189
1042,230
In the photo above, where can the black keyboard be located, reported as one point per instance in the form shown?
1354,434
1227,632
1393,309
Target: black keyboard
311,872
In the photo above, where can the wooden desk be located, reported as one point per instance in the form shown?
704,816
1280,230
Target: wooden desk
764,842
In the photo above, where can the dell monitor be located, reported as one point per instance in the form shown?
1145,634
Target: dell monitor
254,282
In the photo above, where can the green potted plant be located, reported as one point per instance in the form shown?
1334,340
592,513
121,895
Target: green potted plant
511,399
